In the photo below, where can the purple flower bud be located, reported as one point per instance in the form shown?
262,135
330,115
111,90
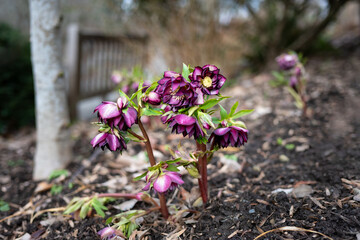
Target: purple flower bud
233,135
116,77
287,61
109,140
140,196
186,125
152,98
121,102
126,89
298,71
107,233
166,118
208,79
135,86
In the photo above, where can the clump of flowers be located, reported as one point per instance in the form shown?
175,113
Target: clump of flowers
292,75
187,103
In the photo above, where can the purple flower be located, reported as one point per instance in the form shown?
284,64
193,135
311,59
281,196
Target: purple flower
107,110
109,140
107,233
208,79
116,77
186,125
177,92
233,135
127,118
152,98
287,61
167,181
298,71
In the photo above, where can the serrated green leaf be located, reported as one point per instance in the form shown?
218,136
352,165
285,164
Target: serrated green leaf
95,201
73,208
223,113
242,113
233,108
140,177
186,72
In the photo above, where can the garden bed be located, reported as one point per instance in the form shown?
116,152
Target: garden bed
294,171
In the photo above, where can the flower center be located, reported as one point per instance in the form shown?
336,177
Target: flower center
206,82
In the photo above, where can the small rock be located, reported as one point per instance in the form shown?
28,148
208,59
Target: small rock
357,197
266,146
302,148
302,191
284,158
251,211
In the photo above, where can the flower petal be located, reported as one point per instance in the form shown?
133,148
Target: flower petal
183,119
162,183
109,110
98,139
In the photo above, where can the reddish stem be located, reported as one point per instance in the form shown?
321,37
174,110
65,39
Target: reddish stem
164,210
202,167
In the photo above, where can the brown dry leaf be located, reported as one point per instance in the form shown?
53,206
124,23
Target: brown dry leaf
176,235
291,211
262,201
317,202
127,205
43,186
291,228
233,234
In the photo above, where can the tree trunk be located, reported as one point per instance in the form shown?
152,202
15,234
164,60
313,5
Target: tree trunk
52,118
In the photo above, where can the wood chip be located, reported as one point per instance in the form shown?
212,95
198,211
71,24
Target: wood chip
233,234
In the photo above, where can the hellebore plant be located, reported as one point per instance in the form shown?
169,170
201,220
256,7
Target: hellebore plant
187,103
293,76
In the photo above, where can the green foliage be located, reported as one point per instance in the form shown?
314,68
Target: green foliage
85,206
16,81
290,146
126,221
4,206
58,173
56,189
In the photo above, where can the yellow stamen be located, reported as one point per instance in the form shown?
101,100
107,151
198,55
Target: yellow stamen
207,82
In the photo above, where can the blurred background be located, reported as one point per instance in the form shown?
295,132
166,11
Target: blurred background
242,37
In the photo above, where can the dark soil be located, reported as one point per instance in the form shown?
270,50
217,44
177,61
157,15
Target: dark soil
324,161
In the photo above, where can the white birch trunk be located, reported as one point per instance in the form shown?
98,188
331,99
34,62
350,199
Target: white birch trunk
53,149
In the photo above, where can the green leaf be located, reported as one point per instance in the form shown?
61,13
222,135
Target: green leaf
95,201
193,171
84,210
58,173
109,220
223,113
233,108
290,146
206,118
172,168
139,92
73,208
186,72
99,210
211,102
127,97
242,113
4,206
140,177
192,110
279,141
151,112
216,120
56,189
240,124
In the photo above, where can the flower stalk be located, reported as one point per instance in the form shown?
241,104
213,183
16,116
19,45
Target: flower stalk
149,150
202,168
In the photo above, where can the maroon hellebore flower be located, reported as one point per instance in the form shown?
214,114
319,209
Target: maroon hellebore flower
107,110
167,181
293,82
109,140
127,118
208,79
287,61
233,135
177,92
186,125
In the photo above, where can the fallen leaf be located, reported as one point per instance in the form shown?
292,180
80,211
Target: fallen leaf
43,186
127,205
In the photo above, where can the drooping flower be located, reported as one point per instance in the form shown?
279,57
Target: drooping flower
107,233
287,61
167,181
177,92
107,110
233,135
208,79
152,98
168,117
109,140
187,125
294,81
